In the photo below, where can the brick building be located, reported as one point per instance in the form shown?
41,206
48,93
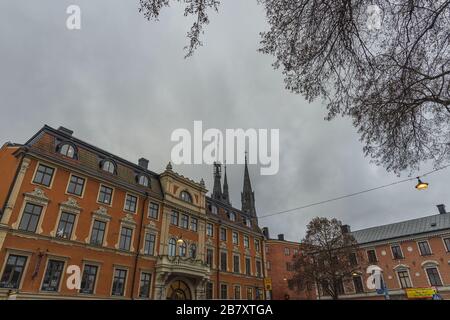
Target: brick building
280,254
133,233
413,254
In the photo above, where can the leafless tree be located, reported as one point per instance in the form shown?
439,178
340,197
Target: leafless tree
329,257
384,63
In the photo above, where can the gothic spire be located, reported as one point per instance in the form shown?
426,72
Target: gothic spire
217,190
226,196
247,194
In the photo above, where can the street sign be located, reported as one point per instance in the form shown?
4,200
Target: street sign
268,283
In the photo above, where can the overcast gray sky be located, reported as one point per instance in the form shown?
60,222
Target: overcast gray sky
121,83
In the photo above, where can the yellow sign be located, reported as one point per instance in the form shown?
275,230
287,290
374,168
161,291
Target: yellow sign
268,283
420,293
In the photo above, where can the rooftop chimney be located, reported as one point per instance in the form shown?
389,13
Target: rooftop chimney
265,232
441,208
65,130
281,237
143,163
345,228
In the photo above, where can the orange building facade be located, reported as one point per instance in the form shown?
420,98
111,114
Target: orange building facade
280,255
69,208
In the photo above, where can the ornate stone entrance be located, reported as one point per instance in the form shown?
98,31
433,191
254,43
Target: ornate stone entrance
178,290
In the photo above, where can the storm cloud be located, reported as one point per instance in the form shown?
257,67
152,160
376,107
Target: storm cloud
121,83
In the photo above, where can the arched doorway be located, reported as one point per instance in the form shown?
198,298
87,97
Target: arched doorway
178,290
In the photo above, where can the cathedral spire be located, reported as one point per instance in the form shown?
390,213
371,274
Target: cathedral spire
226,195
217,189
247,194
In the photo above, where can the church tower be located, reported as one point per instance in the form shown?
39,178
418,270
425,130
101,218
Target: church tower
247,194
226,195
217,189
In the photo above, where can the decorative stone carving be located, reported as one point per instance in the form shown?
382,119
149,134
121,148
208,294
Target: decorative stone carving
151,225
37,196
71,205
128,220
102,214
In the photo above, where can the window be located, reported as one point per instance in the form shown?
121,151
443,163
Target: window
223,261
174,218
30,217
247,267
246,242
52,276
237,292
403,277
12,274
172,247
257,248
88,279
371,256
105,195
194,224
232,216
98,232
108,166
286,251
209,229
143,181
67,150
76,185
44,175
209,290
235,238
259,294
236,263
249,293
248,222
213,209
153,210
289,266
223,234
340,287
223,291
268,265
424,248
295,251
120,276
352,259
130,203
184,221
209,257
433,276
358,284
185,196
258,269
183,249
125,238
397,252
144,287
149,245
65,225
193,251
447,244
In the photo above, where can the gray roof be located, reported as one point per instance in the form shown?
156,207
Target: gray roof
405,228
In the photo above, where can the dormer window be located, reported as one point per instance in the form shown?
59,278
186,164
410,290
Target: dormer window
213,209
68,150
185,196
232,216
143,180
108,166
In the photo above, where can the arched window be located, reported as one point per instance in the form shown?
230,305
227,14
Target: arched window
214,209
108,166
183,249
185,196
67,150
172,247
143,180
193,251
232,216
